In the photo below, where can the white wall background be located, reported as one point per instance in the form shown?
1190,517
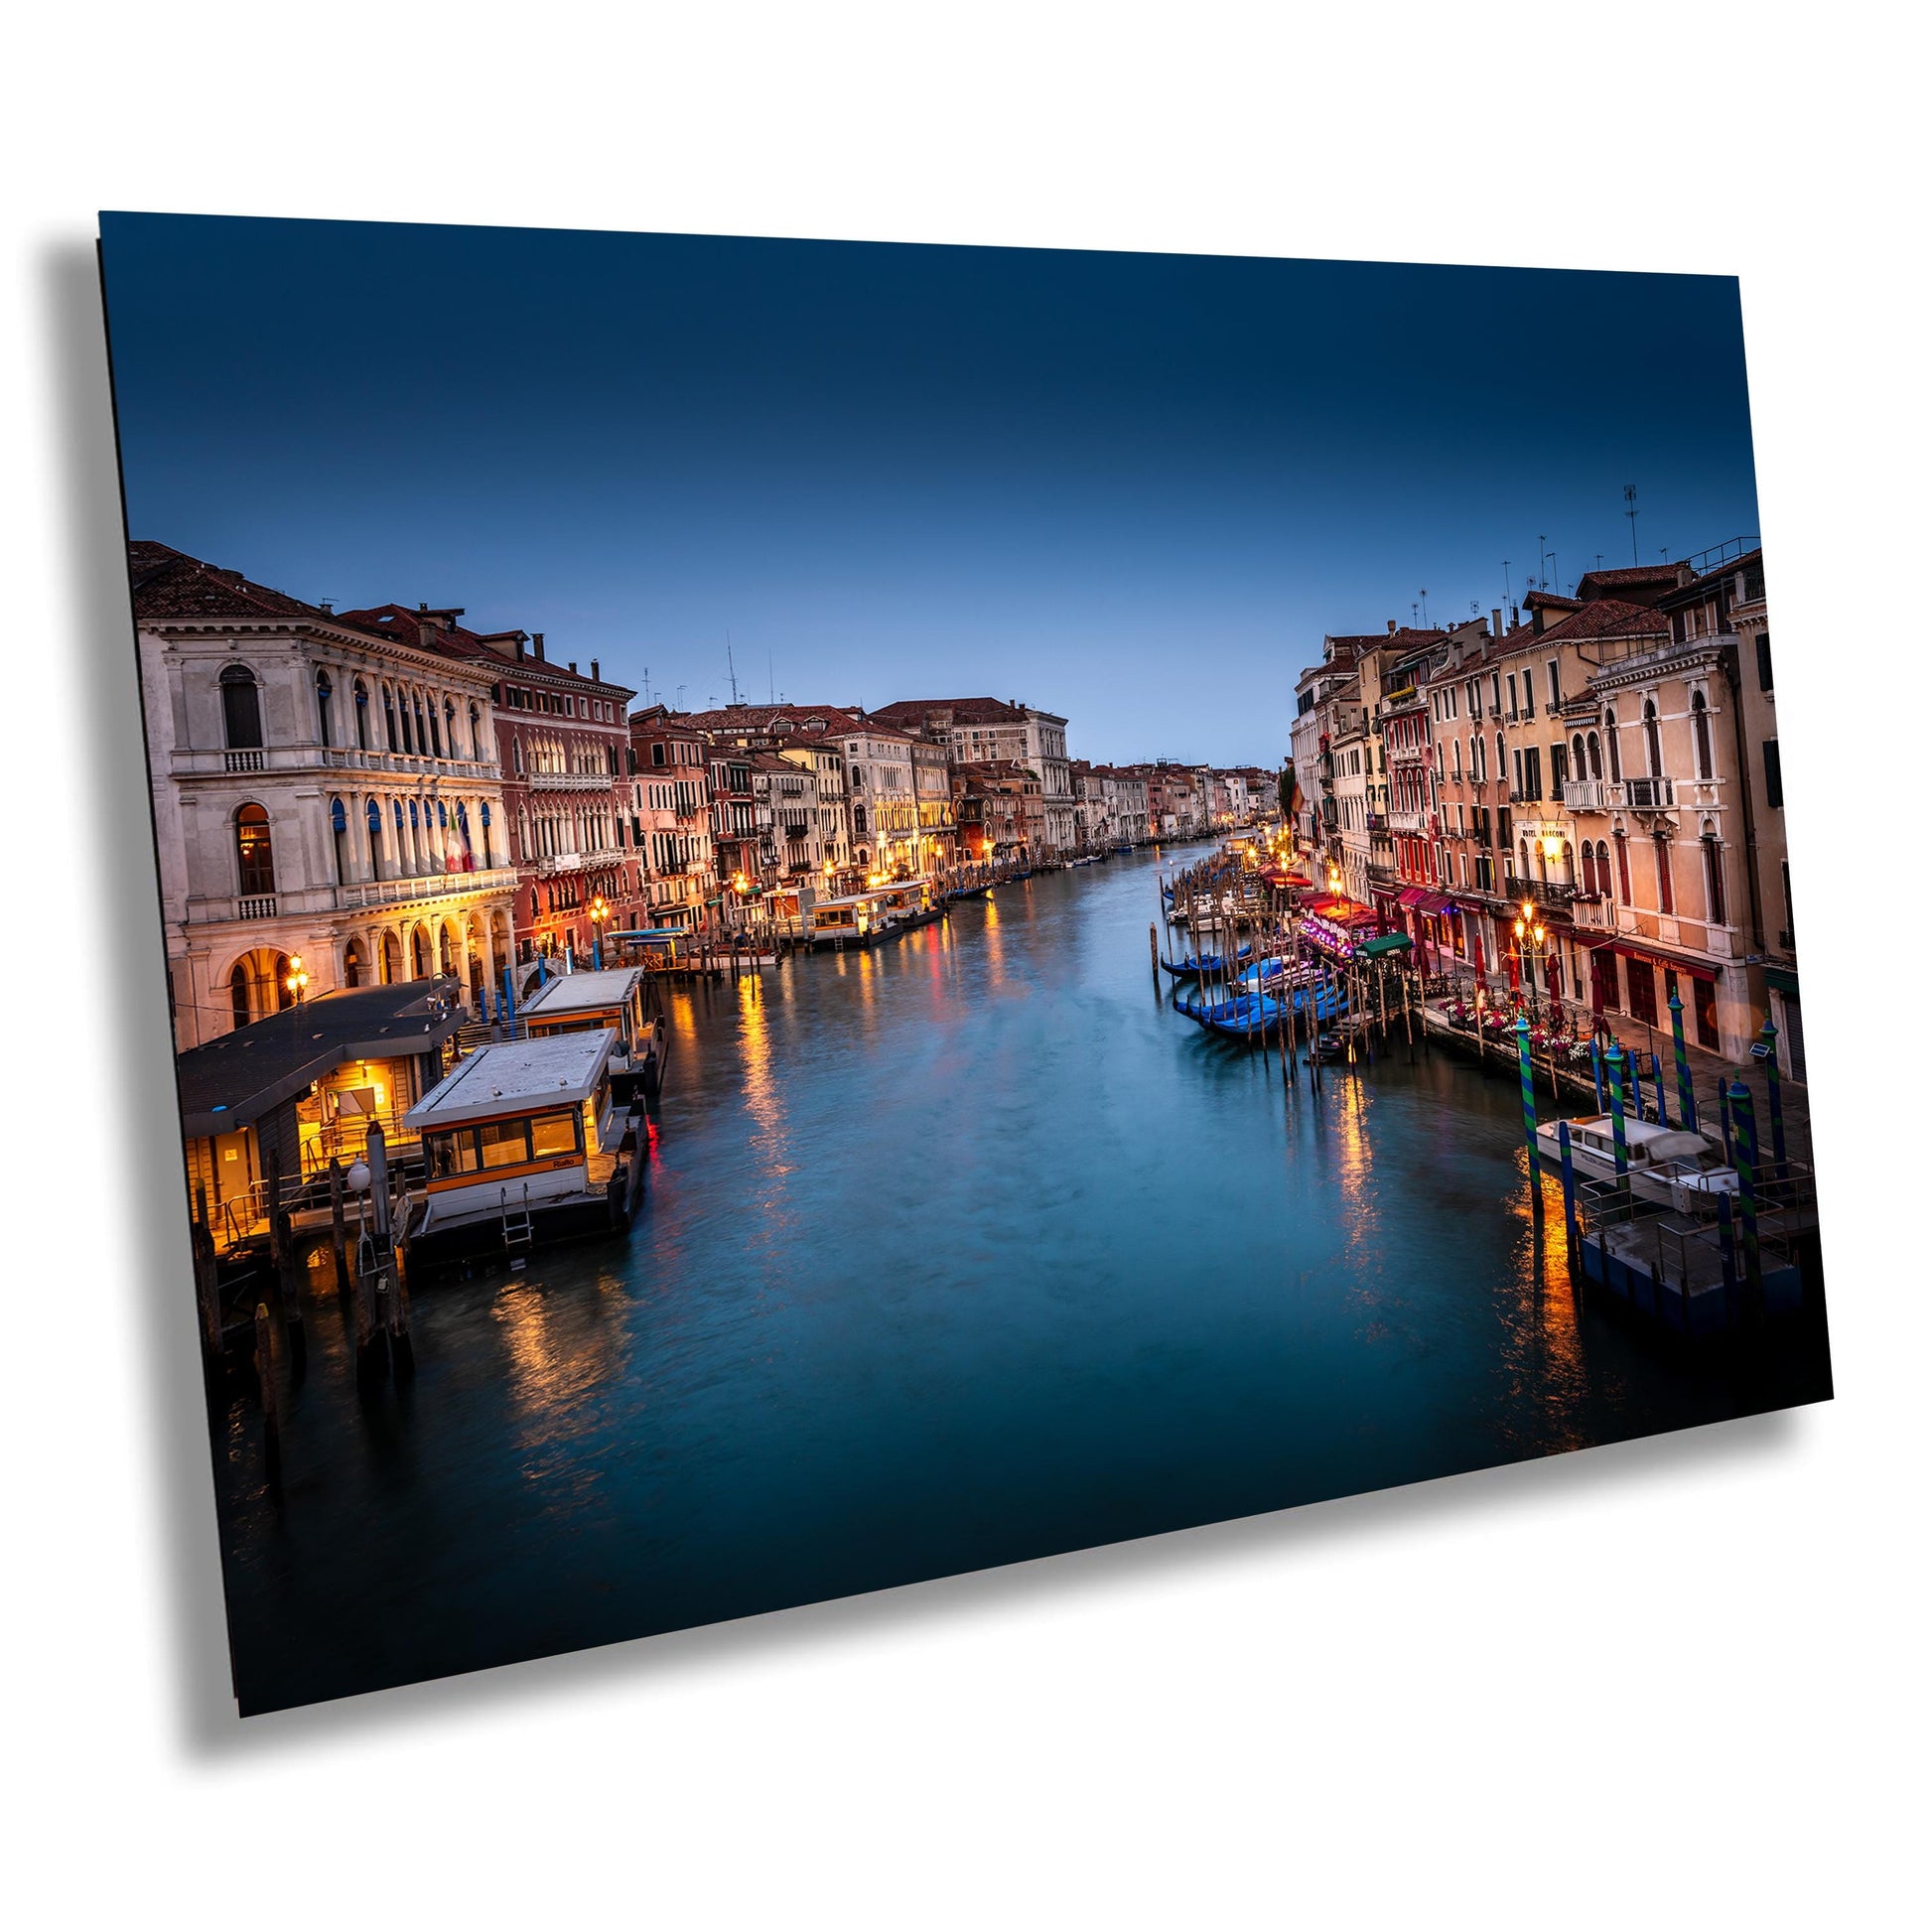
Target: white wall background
1674,1682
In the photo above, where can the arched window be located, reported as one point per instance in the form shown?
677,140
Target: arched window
354,965
483,815
476,735
391,742
1622,866
449,726
1701,734
1590,871
1610,743
254,852
1602,868
1653,741
374,819
238,1007
1596,750
1714,875
422,729
1666,885
325,702
517,750
361,716
1579,766
241,709
1568,864
1522,858
338,838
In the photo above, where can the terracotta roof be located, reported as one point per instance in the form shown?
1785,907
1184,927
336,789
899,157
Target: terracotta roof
1628,578
959,710
170,584
1551,601
1607,616
771,719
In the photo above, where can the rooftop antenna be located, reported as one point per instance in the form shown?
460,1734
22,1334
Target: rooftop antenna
680,697
730,668
1599,560
1543,561
1553,567
1630,500
770,679
1507,597
1423,594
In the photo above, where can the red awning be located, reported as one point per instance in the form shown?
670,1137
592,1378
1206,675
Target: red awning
1673,962
1420,899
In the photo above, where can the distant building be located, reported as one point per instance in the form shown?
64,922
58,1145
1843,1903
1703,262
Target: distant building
671,820
982,729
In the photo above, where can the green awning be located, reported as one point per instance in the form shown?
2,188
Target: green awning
1388,943
1781,977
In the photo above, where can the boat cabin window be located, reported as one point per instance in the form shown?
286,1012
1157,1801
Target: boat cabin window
558,1133
501,1144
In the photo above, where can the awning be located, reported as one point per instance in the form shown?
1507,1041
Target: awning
1420,899
1673,962
1782,979
1388,943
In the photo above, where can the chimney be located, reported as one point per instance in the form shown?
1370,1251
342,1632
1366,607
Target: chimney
328,606
1495,623
1515,616
519,647
596,676
1390,626
536,645
573,667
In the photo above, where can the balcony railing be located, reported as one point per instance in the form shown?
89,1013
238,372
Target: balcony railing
1544,892
330,758
262,907
373,892
1650,795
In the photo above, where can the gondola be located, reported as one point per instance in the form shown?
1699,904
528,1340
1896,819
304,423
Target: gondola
1208,964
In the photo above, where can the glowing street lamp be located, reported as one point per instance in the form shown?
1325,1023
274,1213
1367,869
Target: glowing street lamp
600,915
1530,938
298,979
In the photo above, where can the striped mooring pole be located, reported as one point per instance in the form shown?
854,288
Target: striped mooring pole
1527,1074
1570,1232
1745,1150
1685,1094
1614,1057
1597,1069
1773,1092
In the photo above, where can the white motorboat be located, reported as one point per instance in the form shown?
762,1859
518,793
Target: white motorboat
1674,1165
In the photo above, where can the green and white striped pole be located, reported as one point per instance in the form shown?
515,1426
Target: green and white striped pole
1527,1073
1685,1094
1745,1152
1614,1060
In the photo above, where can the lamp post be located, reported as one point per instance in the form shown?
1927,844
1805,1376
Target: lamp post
1530,940
298,979
600,916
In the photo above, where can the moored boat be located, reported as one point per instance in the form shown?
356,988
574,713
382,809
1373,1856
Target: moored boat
1679,1166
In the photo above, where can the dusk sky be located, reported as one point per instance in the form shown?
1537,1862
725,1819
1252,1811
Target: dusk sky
1136,489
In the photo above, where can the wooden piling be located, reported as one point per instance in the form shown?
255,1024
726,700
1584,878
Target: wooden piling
337,1225
281,1248
270,1398
207,1294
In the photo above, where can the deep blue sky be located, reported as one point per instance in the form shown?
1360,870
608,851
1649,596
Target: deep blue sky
1133,488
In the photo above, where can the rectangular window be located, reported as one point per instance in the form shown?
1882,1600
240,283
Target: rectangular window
1556,686
1533,770
451,1153
1666,894
1512,694
1764,660
1516,758
1773,776
504,1143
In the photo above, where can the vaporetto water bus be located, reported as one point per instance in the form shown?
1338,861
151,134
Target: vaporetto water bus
523,1142
618,998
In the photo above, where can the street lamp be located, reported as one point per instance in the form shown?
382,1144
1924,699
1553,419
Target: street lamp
1530,938
600,915
298,979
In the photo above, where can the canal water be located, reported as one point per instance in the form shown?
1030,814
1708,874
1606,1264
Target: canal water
960,1252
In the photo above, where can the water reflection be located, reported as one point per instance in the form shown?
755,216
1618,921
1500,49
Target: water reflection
930,1280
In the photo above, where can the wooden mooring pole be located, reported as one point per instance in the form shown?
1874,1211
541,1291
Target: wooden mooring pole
207,1292
337,1225
270,1398
281,1248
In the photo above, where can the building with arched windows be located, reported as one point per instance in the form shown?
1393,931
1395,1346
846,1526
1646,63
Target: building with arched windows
327,800
562,741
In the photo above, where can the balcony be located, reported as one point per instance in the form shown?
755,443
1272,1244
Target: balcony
1586,795
1650,795
1544,892
571,780
1414,822
552,863
373,892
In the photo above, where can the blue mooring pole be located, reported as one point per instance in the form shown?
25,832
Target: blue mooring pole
1724,1121
1773,1091
1685,1095
1615,1058
1595,1067
1727,1250
509,997
1528,1076
1745,1154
